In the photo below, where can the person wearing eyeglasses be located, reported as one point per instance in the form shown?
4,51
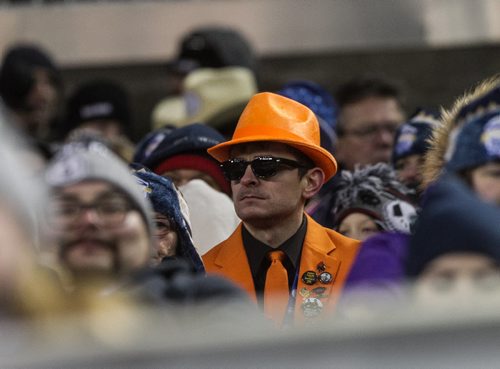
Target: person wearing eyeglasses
370,112
107,244
289,264
97,216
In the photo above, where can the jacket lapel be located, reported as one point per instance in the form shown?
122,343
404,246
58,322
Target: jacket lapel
233,263
317,273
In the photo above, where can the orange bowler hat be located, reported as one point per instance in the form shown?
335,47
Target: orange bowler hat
272,117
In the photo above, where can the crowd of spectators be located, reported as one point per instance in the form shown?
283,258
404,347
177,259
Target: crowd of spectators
288,206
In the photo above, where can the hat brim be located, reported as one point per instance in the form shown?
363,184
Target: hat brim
321,157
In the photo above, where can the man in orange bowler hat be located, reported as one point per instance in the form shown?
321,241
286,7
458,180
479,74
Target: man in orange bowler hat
289,264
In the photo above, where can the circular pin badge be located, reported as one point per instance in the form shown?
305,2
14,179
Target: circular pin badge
312,307
309,277
325,277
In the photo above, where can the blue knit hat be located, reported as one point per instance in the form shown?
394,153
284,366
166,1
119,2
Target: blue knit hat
314,97
168,201
193,138
476,139
183,148
412,136
320,101
149,143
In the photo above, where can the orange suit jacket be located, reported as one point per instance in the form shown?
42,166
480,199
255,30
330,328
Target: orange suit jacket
324,250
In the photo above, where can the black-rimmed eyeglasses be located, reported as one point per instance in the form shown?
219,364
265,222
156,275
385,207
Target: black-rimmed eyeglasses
108,212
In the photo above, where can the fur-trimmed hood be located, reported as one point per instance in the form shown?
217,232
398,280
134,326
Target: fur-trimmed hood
440,140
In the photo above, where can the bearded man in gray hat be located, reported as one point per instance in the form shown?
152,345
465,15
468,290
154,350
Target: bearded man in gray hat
101,221
98,216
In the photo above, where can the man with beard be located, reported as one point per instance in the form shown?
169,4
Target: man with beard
98,216
106,242
287,262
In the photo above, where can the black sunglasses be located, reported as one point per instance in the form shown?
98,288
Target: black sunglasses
263,167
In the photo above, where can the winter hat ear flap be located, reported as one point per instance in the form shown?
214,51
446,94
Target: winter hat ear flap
375,191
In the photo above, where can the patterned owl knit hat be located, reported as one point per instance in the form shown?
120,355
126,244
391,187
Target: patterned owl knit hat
375,191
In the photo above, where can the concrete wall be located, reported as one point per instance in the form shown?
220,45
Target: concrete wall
93,32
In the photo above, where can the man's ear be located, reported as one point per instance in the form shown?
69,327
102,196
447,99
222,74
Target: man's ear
313,180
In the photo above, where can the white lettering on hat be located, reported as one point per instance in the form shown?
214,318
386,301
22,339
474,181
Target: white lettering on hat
66,170
491,136
97,110
406,139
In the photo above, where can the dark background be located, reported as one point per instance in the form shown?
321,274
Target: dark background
429,77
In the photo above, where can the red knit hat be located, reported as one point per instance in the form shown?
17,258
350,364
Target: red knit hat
198,162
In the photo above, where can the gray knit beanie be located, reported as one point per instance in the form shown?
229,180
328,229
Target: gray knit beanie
77,162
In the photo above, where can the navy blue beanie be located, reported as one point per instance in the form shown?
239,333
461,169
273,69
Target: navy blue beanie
313,96
453,219
17,73
321,102
149,143
168,201
183,148
193,138
412,136
476,139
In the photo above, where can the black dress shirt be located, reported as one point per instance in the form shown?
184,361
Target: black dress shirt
256,253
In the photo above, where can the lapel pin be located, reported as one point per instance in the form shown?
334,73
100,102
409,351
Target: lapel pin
325,277
312,307
310,277
321,267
